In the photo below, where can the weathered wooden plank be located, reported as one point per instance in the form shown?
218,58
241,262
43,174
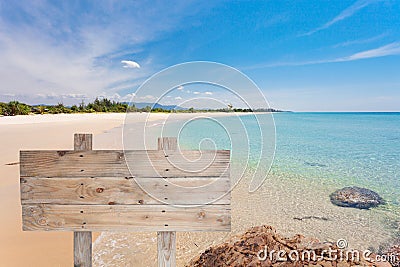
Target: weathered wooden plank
139,191
166,241
83,142
82,249
126,218
106,163
166,249
83,240
167,143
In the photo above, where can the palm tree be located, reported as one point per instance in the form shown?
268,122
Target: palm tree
13,107
42,109
17,108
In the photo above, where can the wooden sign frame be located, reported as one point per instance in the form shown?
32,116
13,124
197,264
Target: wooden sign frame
85,190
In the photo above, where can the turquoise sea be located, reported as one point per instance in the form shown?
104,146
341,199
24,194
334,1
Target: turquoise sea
329,149
348,148
343,149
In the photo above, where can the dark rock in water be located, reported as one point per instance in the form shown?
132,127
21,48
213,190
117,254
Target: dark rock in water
356,197
315,164
310,218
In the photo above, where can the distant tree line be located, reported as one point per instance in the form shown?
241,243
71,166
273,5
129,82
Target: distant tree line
14,108
102,105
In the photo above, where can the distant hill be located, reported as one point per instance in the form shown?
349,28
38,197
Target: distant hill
156,105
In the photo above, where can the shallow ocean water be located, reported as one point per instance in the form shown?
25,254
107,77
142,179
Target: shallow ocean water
344,149
316,153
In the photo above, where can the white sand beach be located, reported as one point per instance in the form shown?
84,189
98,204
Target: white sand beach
47,132
37,132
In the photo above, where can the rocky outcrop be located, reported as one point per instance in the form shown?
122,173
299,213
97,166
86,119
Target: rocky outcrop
393,255
263,246
356,197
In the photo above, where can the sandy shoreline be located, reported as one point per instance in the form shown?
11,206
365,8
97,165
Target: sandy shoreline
48,132
76,117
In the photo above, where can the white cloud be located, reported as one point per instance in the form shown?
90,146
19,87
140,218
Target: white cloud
392,49
196,93
9,95
118,97
79,97
143,98
114,96
62,48
348,12
208,93
130,64
360,41
48,96
127,98
180,87
73,96
386,50
61,96
178,98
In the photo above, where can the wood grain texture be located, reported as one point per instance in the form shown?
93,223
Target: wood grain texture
102,191
113,163
83,141
94,190
83,240
126,218
82,249
166,247
167,143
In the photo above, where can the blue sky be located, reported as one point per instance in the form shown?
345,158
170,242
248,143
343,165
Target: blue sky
304,55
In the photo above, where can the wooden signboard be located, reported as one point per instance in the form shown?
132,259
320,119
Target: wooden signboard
85,190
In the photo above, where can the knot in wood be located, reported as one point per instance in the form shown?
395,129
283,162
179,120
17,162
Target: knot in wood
201,214
99,190
42,221
61,153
